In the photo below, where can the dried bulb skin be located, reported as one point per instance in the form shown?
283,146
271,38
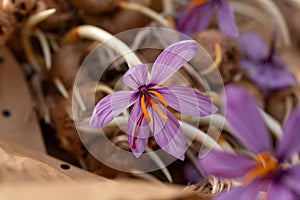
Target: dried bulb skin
119,20
67,61
7,22
23,8
63,17
95,6
277,105
231,56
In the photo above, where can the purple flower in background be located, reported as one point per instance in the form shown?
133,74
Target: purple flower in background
197,15
265,169
265,68
151,100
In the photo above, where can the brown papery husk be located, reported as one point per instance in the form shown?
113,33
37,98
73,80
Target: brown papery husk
67,61
119,20
95,7
231,56
276,102
63,19
7,23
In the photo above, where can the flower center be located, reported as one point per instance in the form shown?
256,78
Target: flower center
146,97
265,164
194,3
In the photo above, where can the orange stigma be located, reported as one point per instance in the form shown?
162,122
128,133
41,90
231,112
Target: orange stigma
153,104
194,3
266,164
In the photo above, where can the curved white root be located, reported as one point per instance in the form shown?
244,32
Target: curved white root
98,34
271,123
25,36
45,47
61,88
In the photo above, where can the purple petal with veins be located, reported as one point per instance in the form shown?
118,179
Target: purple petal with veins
138,130
168,133
183,99
172,59
289,144
226,20
136,76
111,106
243,115
226,165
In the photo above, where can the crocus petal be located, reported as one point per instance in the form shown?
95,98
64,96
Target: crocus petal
226,20
110,107
171,59
196,20
272,76
252,46
136,76
289,144
226,165
249,192
187,101
168,133
292,179
142,128
280,192
248,125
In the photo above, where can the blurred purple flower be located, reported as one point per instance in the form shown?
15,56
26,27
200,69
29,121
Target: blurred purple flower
151,101
197,15
265,68
267,169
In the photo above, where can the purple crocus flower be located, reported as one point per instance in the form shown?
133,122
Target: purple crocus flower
265,168
264,67
151,100
197,15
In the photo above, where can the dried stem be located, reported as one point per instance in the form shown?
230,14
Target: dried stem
42,106
160,164
146,11
273,10
45,47
146,176
250,11
95,33
169,10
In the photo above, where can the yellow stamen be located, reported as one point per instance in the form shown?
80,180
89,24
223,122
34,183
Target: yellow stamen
160,97
144,109
195,3
265,164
